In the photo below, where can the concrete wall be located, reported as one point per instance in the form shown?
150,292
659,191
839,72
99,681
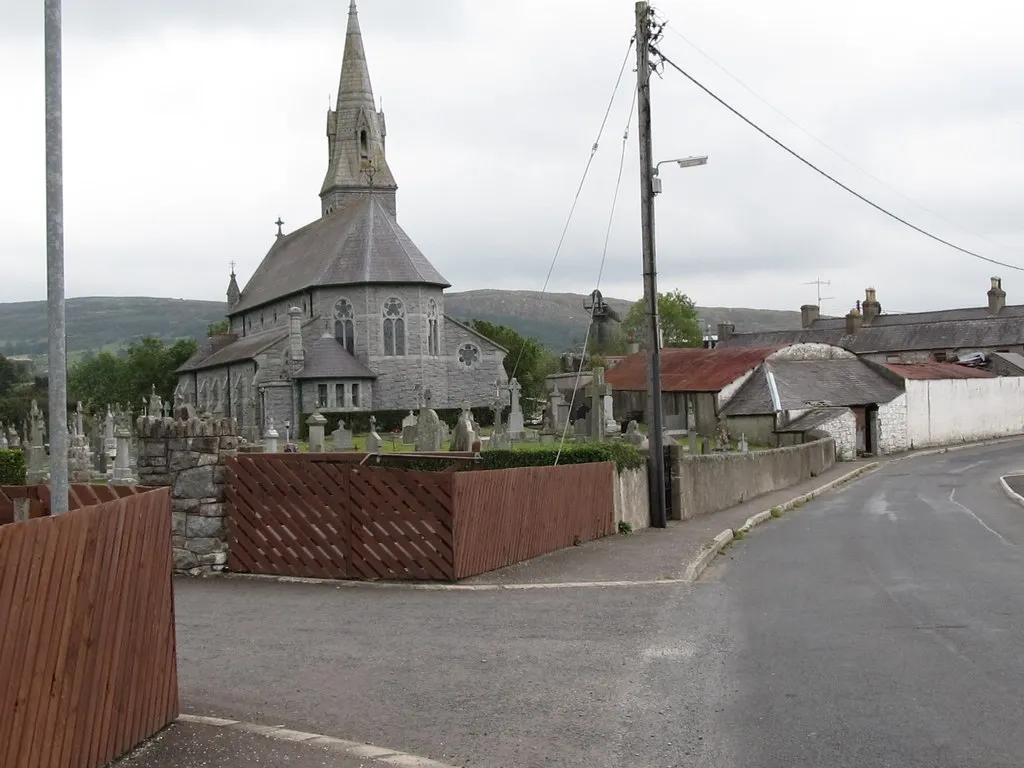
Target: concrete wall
949,411
632,504
705,484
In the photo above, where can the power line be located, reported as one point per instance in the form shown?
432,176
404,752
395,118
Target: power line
827,175
600,274
579,189
831,149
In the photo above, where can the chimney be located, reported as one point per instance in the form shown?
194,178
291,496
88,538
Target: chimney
996,296
298,356
725,332
854,320
808,314
871,307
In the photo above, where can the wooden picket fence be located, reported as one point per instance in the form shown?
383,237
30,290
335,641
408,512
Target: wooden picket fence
325,516
79,495
87,643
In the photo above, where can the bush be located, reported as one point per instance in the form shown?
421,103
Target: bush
12,468
624,455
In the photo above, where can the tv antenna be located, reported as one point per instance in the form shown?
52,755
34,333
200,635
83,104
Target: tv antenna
818,283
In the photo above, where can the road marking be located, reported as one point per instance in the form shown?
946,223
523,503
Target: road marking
981,522
354,748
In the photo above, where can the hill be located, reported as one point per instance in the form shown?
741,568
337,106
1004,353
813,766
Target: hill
558,320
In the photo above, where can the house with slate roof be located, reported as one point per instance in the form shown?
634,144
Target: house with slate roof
914,337
345,313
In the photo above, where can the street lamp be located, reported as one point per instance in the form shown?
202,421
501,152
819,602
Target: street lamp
682,162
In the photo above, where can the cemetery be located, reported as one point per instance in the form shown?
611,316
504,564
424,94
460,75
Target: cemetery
429,499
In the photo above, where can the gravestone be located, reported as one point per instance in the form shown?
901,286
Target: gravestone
600,419
429,429
516,425
341,438
409,429
270,438
464,434
635,436
744,446
373,441
13,440
317,424
722,442
3,437
691,436
37,450
122,468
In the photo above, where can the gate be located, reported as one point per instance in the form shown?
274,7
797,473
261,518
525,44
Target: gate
320,516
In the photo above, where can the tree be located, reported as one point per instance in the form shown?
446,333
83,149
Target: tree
218,328
106,379
680,326
535,361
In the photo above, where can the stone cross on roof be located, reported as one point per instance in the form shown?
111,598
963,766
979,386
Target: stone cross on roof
279,223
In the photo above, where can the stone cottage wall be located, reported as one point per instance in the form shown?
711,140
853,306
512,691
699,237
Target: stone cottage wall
189,457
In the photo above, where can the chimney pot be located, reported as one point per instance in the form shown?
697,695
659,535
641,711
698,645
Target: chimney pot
854,321
996,296
870,307
809,313
725,332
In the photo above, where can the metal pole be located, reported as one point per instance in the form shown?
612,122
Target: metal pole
58,395
656,461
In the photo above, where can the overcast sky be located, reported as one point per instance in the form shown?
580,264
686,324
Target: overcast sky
191,125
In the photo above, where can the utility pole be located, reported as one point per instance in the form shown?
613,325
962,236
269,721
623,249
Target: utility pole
656,457
57,376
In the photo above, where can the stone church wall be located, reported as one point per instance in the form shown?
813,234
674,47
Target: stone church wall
474,385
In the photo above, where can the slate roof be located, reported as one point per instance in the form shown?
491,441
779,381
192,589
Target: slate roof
1012,360
689,369
807,383
326,358
245,348
932,371
359,242
812,419
946,329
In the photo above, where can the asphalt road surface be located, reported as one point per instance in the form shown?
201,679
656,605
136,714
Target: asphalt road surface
882,625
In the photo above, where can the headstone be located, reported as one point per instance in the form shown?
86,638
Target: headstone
557,412
499,440
598,391
122,468
409,429
13,440
3,437
464,434
722,442
317,424
611,426
581,427
691,436
341,438
79,420
270,438
635,436
37,451
428,427
373,441
496,409
516,426
744,447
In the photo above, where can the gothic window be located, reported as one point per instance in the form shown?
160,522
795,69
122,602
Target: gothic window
339,395
355,394
394,328
364,144
469,355
344,325
433,334
321,395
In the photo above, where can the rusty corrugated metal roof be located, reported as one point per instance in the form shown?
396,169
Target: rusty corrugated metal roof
932,371
691,369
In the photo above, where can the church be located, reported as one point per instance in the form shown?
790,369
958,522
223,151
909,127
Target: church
345,314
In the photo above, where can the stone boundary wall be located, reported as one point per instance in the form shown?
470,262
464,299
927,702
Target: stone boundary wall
189,455
705,484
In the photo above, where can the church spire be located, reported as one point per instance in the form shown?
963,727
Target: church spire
234,294
355,132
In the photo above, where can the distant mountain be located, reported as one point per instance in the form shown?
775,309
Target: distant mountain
558,320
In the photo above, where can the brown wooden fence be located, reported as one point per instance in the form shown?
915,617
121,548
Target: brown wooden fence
87,647
79,495
505,516
324,516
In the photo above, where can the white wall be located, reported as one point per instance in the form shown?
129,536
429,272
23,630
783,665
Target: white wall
843,429
949,411
893,435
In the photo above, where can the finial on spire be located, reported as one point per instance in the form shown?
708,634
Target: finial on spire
280,224
352,6
232,263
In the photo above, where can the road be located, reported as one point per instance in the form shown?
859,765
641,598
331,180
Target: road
882,625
